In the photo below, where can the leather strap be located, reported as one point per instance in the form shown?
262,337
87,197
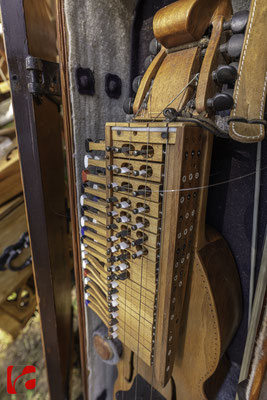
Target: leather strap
251,85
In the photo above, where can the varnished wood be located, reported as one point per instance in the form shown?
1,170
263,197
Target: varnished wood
164,93
206,85
187,20
10,180
102,348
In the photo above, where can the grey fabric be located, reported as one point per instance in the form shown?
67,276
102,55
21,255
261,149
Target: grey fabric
99,38
239,5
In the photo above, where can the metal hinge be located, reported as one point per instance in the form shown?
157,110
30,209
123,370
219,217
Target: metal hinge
43,77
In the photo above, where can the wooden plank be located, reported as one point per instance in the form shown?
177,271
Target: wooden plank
96,192
97,146
153,208
137,184
143,135
131,286
6,208
9,324
10,180
98,216
137,348
94,236
135,325
88,177
155,151
96,163
154,170
135,297
97,205
137,309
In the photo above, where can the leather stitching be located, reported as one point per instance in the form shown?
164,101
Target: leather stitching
239,79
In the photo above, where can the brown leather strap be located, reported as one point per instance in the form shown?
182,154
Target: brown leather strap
251,85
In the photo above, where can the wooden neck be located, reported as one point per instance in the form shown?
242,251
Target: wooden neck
200,238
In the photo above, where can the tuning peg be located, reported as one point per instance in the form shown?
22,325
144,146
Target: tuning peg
234,46
139,253
142,172
122,246
123,204
149,60
110,148
124,170
128,105
136,82
238,22
112,239
225,74
140,192
140,210
221,102
154,47
122,257
112,199
123,233
123,219
123,276
112,213
112,185
138,242
112,226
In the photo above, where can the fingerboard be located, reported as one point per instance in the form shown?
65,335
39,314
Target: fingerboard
140,207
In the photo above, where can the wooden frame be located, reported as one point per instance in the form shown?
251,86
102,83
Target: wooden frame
29,31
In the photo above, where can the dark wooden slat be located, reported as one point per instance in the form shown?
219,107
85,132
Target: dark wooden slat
40,146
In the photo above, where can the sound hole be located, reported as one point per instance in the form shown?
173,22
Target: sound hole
148,151
148,170
127,148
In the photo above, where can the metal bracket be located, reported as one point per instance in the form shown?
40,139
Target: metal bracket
43,77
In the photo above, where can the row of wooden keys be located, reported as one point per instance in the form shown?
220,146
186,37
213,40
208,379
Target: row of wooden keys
120,227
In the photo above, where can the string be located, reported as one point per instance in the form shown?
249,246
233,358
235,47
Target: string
127,212
142,266
179,94
158,261
212,184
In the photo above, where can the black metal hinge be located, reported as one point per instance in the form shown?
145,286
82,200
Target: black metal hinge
43,77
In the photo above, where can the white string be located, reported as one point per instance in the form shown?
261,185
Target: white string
211,185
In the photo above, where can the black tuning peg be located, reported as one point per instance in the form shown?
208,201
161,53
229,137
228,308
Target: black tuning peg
225,74
154,47
238,22
234,46
221,102
149,60
128,105
136,82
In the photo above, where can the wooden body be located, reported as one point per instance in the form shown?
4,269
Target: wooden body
212,301
209,320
